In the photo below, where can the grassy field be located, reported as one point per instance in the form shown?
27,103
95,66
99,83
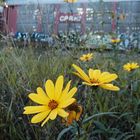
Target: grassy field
107,115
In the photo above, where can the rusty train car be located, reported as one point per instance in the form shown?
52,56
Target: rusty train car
52,16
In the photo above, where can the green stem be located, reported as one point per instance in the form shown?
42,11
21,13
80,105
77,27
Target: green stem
78,130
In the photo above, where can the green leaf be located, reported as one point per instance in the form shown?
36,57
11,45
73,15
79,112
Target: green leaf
125,114
128,137
137,130
63,132
125,136
99,125
112,139
98,115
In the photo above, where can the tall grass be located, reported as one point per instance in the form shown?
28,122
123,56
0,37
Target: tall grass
23,70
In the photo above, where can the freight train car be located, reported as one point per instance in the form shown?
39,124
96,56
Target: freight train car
51,16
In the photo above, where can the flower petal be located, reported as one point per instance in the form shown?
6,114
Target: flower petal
53,114
39,117
62,113
106,78
71,93
79,113
110,87
41,92
49,86
68,95
76,73
59,87
71,117
104,74
90,84
66,103
94,74
38,99
81,72
34,109
65,91
45,121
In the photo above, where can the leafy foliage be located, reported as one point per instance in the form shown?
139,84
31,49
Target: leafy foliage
107,115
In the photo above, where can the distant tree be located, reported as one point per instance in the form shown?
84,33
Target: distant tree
2,1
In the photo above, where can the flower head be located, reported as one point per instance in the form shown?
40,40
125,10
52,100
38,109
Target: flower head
70,1
97,78
51,103
75,110
122,16
86,57
131,66
115,41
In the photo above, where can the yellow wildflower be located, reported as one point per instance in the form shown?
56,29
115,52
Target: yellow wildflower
70,1
97,78
131,66
86,57
75,110
51,103
122,16
115,40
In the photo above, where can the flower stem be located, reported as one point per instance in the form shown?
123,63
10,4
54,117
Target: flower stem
78,129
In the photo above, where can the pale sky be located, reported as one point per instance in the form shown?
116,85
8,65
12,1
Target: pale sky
55,1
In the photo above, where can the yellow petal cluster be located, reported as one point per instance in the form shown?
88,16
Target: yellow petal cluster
52,102
122,16
75,110
115,41
86,57
130,66
97,78
70,1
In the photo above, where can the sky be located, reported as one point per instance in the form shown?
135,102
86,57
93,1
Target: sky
54,1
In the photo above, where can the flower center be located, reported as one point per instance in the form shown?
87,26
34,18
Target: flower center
52,104
73,107
86,58
94,81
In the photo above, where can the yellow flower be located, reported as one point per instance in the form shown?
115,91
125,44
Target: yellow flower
130,66
70,1
115,40
86,57
51,103
122,16
97,78
75,110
